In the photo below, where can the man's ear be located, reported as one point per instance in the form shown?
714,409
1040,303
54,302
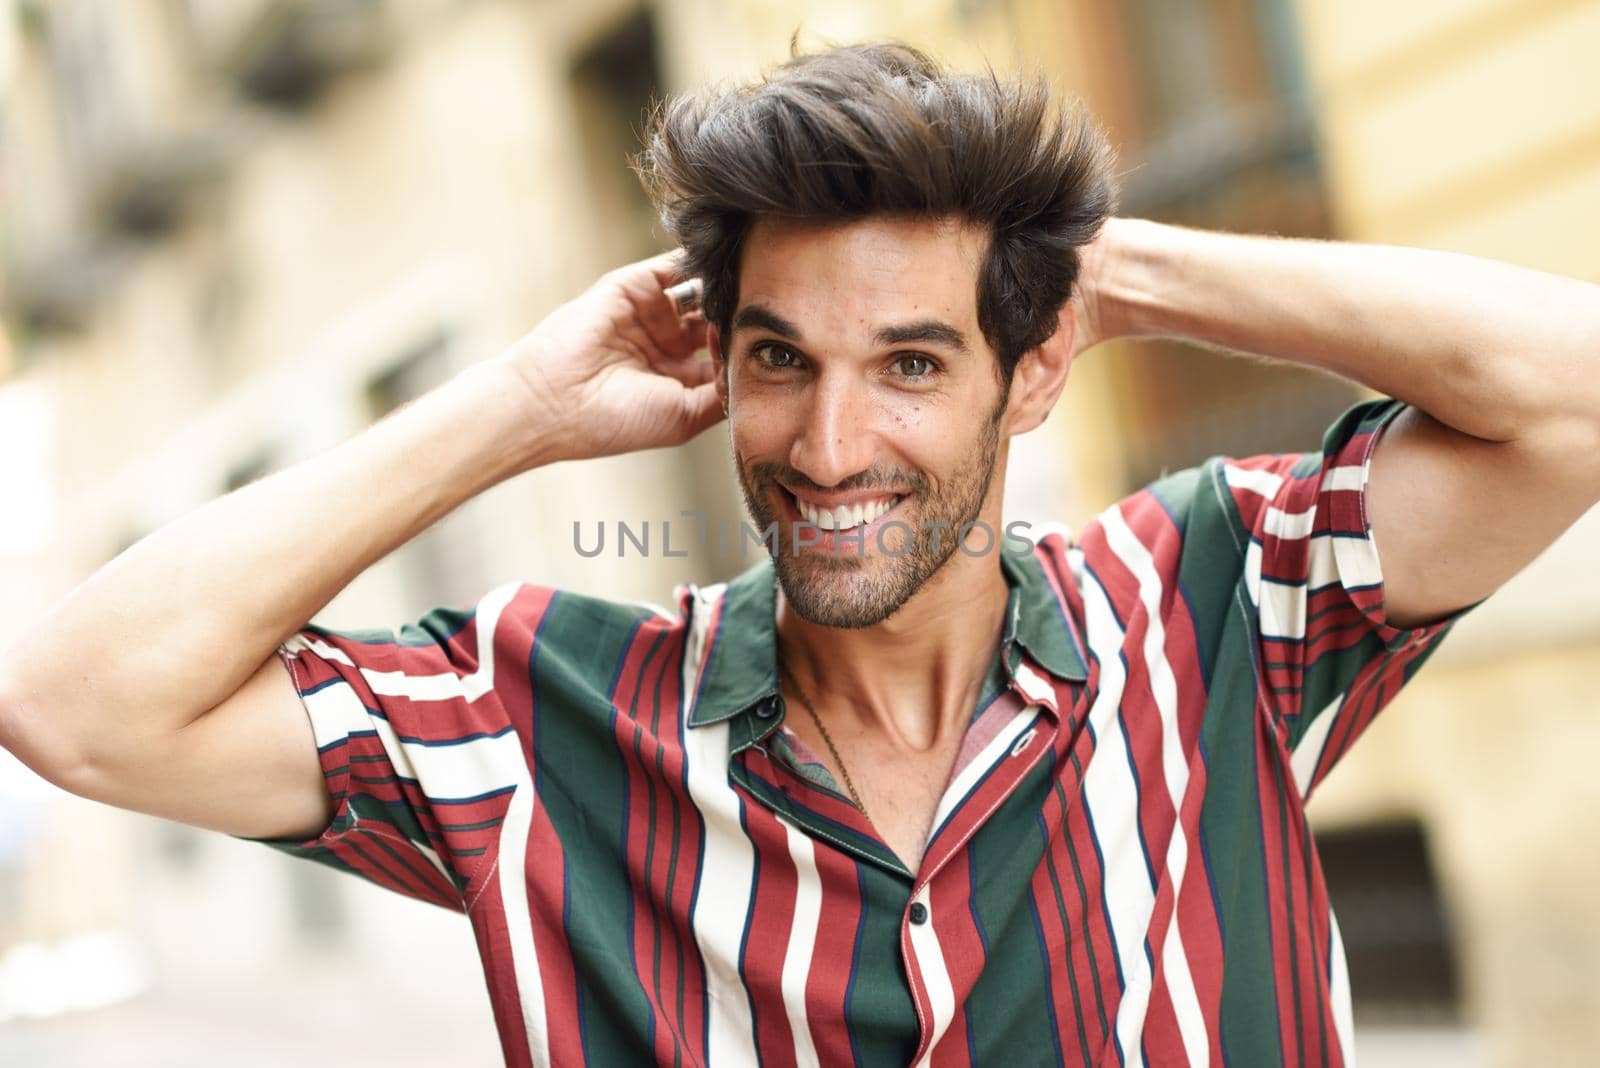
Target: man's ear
719,365
1040,375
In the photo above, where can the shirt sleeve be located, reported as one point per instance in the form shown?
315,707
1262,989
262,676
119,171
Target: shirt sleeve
1329,659
417,746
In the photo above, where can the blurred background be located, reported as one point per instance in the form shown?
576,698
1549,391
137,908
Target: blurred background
234,232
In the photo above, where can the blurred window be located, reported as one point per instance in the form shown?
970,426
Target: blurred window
1397,934
1225,141
614,78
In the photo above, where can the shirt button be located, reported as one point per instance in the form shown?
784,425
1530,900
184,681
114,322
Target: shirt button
769,708
919,913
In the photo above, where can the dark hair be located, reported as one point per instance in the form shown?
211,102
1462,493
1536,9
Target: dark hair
882,129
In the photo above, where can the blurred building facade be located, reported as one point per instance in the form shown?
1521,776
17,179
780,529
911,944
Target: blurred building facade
237,231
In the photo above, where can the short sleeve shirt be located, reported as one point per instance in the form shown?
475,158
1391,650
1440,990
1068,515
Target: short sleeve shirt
1120,869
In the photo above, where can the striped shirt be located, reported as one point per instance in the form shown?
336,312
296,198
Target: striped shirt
1120,870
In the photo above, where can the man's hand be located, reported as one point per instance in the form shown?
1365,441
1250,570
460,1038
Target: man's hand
615,369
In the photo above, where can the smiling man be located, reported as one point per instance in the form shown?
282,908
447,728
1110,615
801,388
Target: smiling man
884,798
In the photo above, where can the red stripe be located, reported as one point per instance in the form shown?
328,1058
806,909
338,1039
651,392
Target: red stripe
635,684
1272,864
543,858
961,947
689,986
770,925
829,981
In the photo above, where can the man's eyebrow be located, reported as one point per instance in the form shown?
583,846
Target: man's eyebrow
926,331
760,317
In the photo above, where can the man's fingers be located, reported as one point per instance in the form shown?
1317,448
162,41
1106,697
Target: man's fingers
645,284
701,409
691,372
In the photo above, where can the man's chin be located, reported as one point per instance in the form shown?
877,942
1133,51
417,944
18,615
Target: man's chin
851,591
838,591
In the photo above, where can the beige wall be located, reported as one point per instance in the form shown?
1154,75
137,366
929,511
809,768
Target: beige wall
1474,126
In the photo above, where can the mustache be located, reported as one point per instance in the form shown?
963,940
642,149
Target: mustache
914,482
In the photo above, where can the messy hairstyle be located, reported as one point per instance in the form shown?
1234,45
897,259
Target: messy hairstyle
882,129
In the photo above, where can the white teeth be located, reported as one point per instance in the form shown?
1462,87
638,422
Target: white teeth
845,517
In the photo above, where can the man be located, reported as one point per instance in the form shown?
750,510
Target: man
884,798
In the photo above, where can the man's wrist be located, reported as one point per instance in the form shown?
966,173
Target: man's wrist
497,400
1140,276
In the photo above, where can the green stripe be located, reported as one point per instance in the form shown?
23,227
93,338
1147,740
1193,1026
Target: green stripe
435,628
1230,828
582,785
1211,574
877,1003
1005,1009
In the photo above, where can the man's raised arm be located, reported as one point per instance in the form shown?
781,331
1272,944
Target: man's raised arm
154,685
1500,451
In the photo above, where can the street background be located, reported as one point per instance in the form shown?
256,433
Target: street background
234,232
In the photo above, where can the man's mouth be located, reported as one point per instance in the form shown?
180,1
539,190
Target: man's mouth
861,512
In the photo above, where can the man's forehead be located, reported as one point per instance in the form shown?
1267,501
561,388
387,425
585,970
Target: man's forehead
891,238
895,279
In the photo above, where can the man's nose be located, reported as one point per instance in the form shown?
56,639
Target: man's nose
835,440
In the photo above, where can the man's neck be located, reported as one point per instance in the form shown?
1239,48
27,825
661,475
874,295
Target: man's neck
915,677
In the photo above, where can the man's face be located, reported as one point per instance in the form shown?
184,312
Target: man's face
858,379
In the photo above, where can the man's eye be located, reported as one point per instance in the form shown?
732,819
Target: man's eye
775,356
914,366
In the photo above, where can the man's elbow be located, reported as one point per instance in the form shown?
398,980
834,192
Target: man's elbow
25,732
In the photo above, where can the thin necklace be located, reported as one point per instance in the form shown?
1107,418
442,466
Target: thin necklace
804,700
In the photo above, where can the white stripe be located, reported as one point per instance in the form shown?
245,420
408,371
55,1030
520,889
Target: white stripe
1347,477
512,875
1265,483
1114,817
1352,562
721,908
1036,686
1308,751
1281,608
1288,525
1175,769
802,941
1339,989
935,976
449,686
328,652
980,764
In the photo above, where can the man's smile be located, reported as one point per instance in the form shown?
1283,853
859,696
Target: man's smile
841,520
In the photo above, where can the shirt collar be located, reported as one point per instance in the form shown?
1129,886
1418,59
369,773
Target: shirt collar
740,681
